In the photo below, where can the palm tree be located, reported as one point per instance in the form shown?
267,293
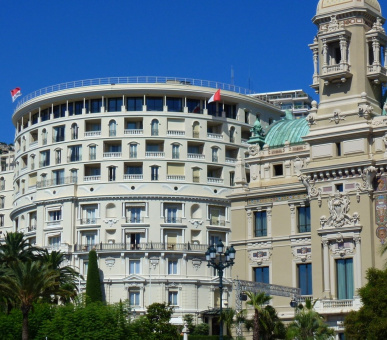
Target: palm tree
15,247
258,301
271,327
67,275
308,324
26,282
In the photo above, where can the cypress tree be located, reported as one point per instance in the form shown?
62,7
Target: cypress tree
93,283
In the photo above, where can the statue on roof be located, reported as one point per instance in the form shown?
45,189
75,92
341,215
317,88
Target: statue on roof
257,130
288,115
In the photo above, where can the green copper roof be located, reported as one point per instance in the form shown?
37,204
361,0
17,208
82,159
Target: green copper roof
287,130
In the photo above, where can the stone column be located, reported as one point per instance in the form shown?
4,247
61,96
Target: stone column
326,266
325,52
376,49
343,50
357,263
249,224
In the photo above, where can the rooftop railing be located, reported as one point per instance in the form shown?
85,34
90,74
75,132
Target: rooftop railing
130,80
141,246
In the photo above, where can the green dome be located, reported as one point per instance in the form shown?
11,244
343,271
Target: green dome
287,130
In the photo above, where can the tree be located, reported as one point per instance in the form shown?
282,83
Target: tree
188,318
24,283
157,317
258,300
93,282
14,248
67,276
370,322
308,324
271,327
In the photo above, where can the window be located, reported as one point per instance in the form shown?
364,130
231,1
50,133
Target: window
134,297
2,200
92,152
134,104
74,175
133,170
133,151
55,215
278,170
78,107
74,131
90,239
193,106
135,214
339,187
135,240
154,103
171,215
338,149
89,214
172,298
44,137
215,155
114,104
305,278
45,158
112,128
260,224
58,156
232,178
175,151
75,153
44,115
1,220
85,267
54,241
303,219
96,105
154,173
174,104
58,177
134,267
172,267
261,274
344,271
58,134
155,127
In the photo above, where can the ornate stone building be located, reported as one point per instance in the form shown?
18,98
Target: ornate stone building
315,209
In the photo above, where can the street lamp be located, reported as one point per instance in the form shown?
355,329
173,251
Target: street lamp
219,265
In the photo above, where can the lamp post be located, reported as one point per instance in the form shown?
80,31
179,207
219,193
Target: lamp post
220,263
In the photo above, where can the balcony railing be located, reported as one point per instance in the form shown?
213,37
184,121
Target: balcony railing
133,177
175,178
133,131
202,248
112,154
91,220
92,178
230,160
112,133
92,133
337,303
376,69
154,154
33,143
31,228
75,158
196,179
56,181
133,154
219,222
130,80
135,220
44,163
195,156
214,180
58,139
214,135
175,133
173,220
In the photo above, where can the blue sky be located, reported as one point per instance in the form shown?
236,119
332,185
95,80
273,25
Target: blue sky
50,42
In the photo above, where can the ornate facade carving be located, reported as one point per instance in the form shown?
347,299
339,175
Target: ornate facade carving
196,223
367,177
254,149
337,117
310,187
338,205
111,221
196,263
259,256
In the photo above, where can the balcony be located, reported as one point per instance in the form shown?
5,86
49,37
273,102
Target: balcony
230,160
92,133
90,220
92,178
377,73
175,178
338,72
201,248
44,163
135,132
214,180
154,154
56,181
74,158
133,177
173,220
31,228
218,222
135,220
337,306
112,154
175,133
195,156
32,144
58,139
214,135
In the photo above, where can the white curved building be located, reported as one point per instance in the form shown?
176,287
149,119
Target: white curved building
138,168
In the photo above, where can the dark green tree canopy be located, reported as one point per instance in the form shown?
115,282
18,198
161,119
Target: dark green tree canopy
93,282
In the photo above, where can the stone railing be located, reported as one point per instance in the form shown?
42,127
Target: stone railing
112,154
202,248
91,178
133,131
175,178
214,180
92,133
133,177
175,133
195,156
214,135
154,154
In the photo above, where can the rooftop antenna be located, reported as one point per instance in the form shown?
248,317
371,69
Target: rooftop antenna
232,75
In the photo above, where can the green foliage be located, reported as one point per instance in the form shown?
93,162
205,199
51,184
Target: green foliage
207,337
258,301
308,324
189,318
370,322
201,329
93,282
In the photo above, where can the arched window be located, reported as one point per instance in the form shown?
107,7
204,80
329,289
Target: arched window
74,131
155,127
44,137
232,135
111,210
2,183
112,128
195,130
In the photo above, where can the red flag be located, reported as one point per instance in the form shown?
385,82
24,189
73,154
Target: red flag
215,97
15,93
